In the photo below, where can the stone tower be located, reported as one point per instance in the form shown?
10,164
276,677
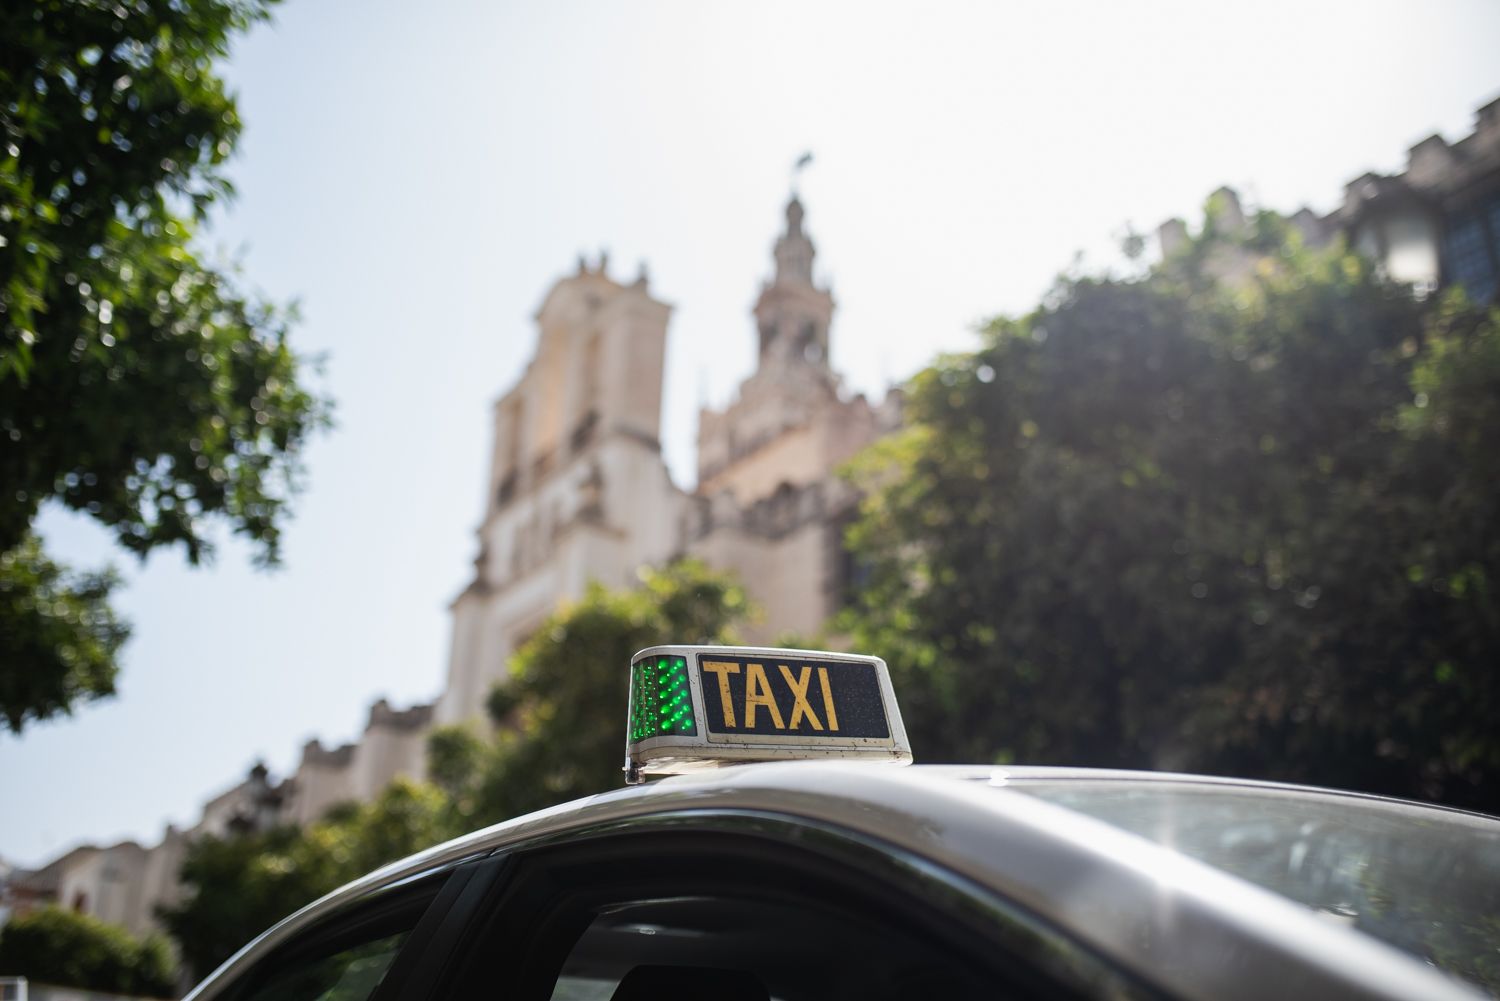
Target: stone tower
577,489
769,504
793,314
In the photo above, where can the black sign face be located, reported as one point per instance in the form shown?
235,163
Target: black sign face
791,697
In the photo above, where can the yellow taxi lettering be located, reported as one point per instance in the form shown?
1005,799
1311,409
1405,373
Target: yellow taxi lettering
767,708
758,693
833,715
723,670
800,706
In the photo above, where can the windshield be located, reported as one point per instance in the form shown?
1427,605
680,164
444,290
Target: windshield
1424,880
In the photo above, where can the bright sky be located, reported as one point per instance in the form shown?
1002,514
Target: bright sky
419,174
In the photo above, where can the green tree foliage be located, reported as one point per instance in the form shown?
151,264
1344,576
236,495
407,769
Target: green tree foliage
560,715
561,733
61,626
68,949
238,886
455,755
138,383
1228,525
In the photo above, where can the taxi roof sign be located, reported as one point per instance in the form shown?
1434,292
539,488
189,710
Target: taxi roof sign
695,707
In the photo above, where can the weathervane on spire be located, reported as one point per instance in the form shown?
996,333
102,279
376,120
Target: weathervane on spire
798,167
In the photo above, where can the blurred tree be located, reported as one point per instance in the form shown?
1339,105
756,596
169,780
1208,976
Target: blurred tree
562,716
67,949
1230,525
455,756
561,713
137,383
407,817
59,626
238,886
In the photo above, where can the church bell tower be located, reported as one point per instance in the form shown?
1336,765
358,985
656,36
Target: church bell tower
793,314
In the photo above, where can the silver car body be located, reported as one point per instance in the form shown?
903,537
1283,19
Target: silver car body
1179,925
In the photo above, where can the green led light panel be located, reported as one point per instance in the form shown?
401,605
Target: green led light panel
661,704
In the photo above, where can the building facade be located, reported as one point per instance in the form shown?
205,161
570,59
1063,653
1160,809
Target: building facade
1435,224
769,504
578,490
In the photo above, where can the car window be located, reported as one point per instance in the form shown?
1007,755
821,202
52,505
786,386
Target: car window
350,974
343,956
1422,879
679,915
756,949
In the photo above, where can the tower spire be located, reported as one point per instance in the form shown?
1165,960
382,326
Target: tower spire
794,251
793,314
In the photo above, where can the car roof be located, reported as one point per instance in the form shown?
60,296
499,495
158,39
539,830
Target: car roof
1168,917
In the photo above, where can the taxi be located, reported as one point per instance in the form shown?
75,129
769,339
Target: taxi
786,850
